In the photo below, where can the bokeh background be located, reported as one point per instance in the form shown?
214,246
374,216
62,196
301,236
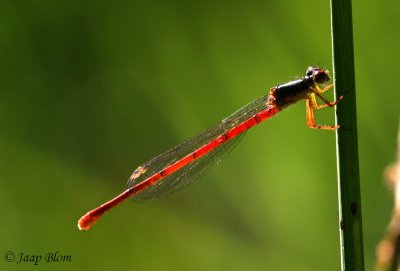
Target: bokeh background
89,90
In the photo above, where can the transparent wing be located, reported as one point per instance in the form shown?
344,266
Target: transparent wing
189,173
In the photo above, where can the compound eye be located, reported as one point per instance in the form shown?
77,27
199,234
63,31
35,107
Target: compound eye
321,77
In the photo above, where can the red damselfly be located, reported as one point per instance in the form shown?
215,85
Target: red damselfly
180,166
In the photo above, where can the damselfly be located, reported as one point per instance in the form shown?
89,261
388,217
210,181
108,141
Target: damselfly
179,166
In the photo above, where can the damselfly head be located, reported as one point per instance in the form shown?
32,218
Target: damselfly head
318,74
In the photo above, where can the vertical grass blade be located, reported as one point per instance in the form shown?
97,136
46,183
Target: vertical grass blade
351,239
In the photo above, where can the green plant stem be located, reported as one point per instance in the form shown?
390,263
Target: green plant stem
351,239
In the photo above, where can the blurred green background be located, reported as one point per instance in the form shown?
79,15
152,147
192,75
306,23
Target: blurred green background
89,90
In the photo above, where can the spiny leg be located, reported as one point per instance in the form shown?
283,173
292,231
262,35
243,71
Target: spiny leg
315,103
325,88
318,92
310,119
